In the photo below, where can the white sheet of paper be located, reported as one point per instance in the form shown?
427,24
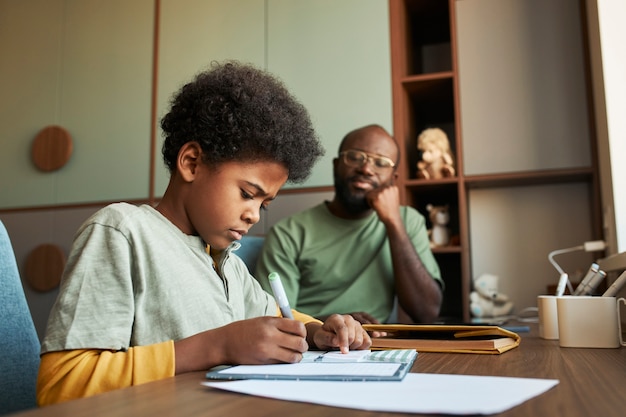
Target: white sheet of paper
417,393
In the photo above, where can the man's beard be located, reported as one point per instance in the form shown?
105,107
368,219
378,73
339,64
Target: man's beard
354,203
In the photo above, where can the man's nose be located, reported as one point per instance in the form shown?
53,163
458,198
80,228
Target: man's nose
368,165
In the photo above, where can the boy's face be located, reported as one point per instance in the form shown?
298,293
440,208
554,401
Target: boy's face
224,202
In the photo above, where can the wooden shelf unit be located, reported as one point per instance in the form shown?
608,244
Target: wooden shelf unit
425,88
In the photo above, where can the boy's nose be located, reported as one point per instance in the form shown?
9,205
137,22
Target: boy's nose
253,216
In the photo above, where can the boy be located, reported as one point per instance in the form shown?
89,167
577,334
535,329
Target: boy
149,293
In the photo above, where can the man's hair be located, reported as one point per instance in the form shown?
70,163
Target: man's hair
236,112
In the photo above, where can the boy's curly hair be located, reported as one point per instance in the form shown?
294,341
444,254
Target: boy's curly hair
237,112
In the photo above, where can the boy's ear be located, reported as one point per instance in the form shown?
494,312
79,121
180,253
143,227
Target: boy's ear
189,158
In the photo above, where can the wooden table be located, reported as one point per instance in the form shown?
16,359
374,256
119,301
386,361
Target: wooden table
592,383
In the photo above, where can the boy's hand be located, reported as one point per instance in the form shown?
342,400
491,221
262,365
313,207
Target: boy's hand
266,340
256,341
340,331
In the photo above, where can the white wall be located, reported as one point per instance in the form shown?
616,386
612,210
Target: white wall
608,66
611,17
522,86
524,108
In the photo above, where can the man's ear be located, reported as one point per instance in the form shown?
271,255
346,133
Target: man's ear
189,159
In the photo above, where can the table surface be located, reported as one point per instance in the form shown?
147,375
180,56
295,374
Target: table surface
592,383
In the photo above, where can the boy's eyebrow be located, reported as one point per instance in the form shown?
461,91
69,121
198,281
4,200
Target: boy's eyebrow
260,190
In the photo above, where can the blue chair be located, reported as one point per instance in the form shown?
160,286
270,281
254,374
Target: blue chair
19,343
249,250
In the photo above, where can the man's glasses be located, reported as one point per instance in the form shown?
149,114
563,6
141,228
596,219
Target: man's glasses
357,159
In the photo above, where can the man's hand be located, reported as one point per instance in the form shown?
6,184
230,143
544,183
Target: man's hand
386,203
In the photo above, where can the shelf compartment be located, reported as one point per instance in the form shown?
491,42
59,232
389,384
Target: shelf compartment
429,103
437,194
428,36
453,299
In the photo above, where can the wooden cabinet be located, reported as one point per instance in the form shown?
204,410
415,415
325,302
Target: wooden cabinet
506,81
87,66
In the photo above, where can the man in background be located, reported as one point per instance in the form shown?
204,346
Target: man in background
357,253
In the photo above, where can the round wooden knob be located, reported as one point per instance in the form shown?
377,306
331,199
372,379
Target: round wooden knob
44,267
52,148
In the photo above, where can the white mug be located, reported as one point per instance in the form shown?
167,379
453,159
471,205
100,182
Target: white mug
589,322
548,323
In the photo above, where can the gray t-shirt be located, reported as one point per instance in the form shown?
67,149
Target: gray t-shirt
134,279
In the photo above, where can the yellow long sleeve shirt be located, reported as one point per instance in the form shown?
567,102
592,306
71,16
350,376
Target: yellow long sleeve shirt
72,374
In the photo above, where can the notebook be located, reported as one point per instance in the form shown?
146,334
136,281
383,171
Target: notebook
358,365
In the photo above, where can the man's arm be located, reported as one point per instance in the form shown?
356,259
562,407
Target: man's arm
419,295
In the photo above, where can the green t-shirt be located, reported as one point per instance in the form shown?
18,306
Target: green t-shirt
134,279
333,265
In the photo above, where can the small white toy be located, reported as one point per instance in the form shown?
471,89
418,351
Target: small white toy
440,233
486,301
